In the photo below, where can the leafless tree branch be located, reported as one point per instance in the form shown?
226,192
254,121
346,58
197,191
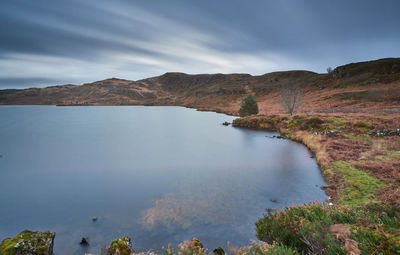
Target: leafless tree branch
290,97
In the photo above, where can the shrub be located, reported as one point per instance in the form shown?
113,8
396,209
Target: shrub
314,123
363,125
248,107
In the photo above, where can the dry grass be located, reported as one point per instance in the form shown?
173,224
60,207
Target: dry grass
316,144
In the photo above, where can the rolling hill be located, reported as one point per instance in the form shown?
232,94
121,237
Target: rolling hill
364,87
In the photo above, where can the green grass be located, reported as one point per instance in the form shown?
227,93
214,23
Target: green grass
338,121
363,126
281,250
360,188
351,135
306,228
7,246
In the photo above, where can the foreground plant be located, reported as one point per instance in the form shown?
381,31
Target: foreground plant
263,248
322,229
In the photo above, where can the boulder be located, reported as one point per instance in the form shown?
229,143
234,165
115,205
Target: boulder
121,246
226,123
29,242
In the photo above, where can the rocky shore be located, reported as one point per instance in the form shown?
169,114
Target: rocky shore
41,243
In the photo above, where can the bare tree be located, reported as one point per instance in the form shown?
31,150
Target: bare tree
329,70
290,98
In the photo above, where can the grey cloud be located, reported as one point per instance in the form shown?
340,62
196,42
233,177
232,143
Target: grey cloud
80,41
28,82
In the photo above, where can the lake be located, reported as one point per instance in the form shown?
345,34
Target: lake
160,175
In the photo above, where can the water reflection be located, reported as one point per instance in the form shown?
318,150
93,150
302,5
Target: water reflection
214,203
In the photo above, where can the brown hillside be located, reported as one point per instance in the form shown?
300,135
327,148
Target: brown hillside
365,87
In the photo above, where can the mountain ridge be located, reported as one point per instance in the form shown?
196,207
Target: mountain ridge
371,84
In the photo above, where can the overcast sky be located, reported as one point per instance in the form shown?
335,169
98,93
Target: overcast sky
49,42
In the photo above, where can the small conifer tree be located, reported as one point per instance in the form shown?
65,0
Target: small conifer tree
248,107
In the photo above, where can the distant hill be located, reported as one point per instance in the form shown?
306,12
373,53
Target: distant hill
371,86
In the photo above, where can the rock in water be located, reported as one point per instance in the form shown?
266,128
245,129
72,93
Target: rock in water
84,241
29,242
219,251
226,123
121,246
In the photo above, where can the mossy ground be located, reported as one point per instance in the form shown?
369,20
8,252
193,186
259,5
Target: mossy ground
121,246
21,243
361,187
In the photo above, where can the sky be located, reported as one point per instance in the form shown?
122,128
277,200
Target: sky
53,42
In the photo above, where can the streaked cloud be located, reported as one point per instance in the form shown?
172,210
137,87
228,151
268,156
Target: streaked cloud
80,41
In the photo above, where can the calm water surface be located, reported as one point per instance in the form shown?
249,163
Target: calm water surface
158,174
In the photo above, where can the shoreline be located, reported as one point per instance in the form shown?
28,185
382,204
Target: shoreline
315,140
359,157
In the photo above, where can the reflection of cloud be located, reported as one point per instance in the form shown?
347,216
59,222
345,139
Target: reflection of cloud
208,204
170,210
165,210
